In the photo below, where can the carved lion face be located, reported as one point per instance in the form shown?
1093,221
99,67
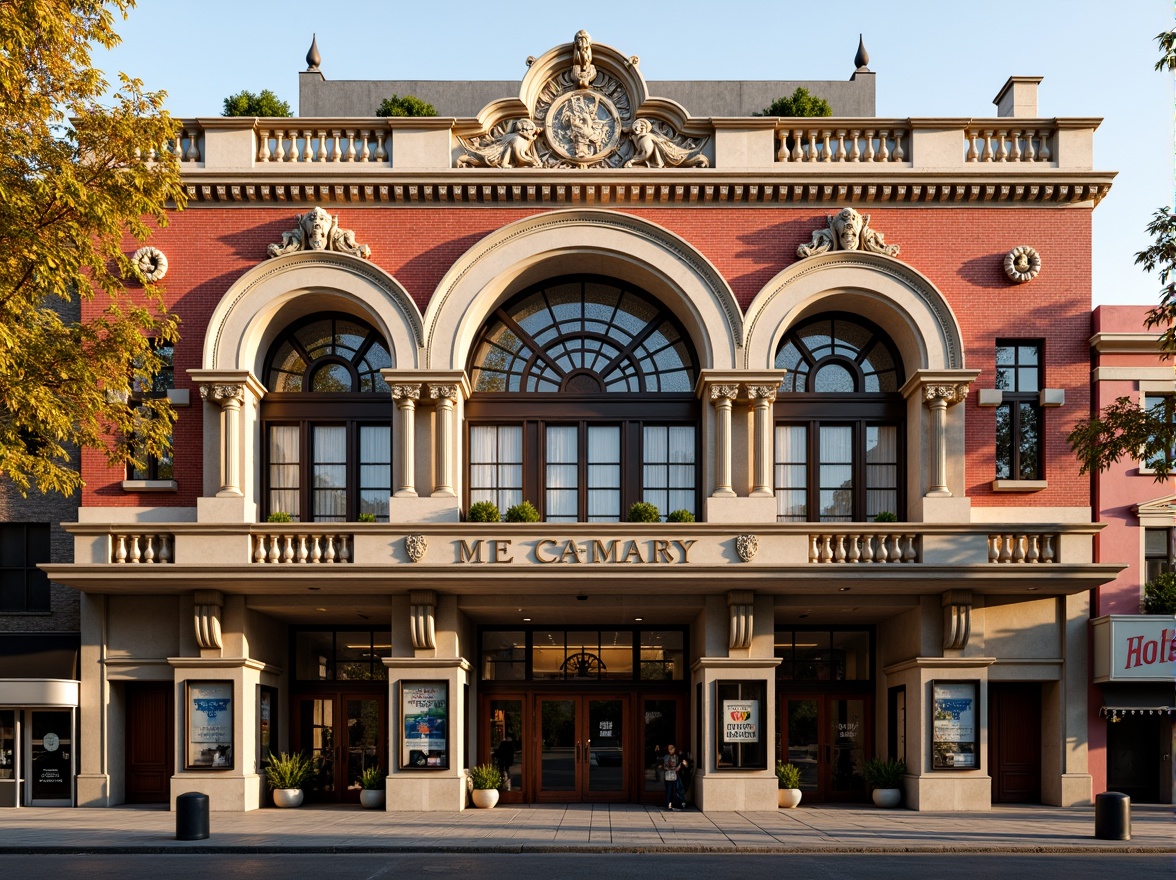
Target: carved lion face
641,126
317,226
848,226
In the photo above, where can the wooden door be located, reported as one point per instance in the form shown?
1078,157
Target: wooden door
1014,742
150,749
581,748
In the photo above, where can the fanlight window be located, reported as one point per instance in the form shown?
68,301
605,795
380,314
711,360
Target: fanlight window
838,355
328,353
585,335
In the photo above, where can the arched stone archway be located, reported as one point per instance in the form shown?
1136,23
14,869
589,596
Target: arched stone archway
894,296
599,242
272,294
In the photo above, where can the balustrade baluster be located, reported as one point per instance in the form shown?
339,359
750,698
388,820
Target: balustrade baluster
263,154
322,146
344,550
350,133
149,552
973,154
302,553
839,553
288,548
1033,554
826,548
855,550
316,552
1006,548
994,548
120,552
814,551
839,148
165,550
336,145
329,555
275,550
798,145
826,147
883,554
365,154
867,548
1047,552
884,145
1043,153
193,154
308,146
1002,152
1019,548
855,154
1029,155
782,152
897,155
380,154
279,146
988,149
136,552
910,554
1015,145
869,155
259,548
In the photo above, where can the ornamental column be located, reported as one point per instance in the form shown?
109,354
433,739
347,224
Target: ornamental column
230,399
445,398
722,398
762,397
938,398
406,397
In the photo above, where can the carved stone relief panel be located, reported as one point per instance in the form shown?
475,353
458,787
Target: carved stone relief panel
847,230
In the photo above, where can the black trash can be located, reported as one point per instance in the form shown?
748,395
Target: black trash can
1112,816
192,816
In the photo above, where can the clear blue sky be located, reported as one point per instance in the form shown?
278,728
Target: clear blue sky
932,58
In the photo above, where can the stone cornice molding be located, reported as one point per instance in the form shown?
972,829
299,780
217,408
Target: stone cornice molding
858,183
1126,343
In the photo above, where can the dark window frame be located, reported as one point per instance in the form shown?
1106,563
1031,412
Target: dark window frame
35,593
529,630
155,467
1020,405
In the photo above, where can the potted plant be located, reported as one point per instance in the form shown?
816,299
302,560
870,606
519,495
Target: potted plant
483,511
885,516
485,778
371,787
285,774
788,783
680,516
885,778
523,512
644,512
278,516
367,517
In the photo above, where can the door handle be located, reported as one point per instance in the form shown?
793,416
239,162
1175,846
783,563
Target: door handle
577,751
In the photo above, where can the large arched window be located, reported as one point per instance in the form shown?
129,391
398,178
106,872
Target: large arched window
583,403
839,422
327,421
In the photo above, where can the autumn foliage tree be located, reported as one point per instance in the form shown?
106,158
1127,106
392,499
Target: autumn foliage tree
83,173
1124,429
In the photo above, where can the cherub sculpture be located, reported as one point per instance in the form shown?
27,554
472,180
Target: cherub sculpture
583,71
317,230
513,147
655,150
847,230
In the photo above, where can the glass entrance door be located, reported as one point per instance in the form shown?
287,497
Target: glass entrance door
50,754
825,736
581,748
343,734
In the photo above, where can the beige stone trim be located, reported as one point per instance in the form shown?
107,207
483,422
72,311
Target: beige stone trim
1133,374
1126,343
1019,485
939,663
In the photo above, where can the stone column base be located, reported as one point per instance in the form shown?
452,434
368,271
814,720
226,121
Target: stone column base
948,792
94,790
719,792
226,794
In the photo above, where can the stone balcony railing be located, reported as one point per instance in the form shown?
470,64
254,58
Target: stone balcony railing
210,147
662,546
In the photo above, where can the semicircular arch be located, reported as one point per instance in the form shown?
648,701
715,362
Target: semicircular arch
273,294
594,242
899,299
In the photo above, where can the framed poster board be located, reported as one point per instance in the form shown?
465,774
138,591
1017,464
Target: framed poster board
209,725
955,735
424,725
740,725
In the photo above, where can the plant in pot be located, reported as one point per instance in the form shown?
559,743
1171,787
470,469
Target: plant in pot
278,516
485,778
371,787
367,517
680,516
483,511
644,512
285,775
523,512
788,783
885,778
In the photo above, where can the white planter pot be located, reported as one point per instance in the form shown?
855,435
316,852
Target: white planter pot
287,797
887,797
485,798
372,798
788,797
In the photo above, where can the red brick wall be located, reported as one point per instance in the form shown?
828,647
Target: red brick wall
959,249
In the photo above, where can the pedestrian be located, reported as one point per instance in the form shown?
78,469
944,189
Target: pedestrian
671,764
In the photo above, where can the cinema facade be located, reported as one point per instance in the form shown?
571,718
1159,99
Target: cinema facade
850,347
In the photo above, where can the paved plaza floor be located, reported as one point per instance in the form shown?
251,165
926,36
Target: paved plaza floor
585,828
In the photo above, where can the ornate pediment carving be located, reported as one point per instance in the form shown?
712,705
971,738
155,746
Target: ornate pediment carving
584,106
847,230
317,230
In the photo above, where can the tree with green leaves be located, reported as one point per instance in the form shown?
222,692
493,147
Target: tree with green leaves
1124,428
799,103
265,103
82,174
405,105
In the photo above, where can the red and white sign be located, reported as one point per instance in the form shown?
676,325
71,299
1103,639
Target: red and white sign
1135,647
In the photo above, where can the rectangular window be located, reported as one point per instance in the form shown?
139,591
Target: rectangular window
23,586
496,465
154,467
668,467
328,501
836,473
1019,419
375,470
1157,552
604,473
562,474
881,470
792,473
284,470
1163,407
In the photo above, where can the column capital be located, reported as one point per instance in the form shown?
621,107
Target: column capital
950,394
939,387
405,392
426,380
720,393
444,392
223,386
223,394
761,392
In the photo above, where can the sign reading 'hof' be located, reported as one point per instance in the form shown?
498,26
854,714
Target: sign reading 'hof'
740,721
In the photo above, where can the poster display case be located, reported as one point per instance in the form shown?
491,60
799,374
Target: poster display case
955,707
209,725
424,725
740,725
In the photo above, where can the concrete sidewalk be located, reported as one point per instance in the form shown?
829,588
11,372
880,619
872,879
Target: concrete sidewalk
584,828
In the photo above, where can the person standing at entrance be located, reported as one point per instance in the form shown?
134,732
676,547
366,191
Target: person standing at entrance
671,764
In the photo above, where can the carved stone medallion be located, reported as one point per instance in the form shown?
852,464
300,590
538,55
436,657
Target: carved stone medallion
747,546
1022,264
583,126
416,546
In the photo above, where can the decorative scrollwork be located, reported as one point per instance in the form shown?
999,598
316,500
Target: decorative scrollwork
317,230
847,230
149,264
1022,264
